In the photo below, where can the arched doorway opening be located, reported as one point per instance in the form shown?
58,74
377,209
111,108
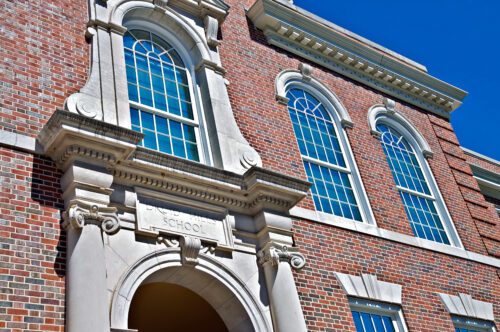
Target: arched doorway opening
209,279
158,307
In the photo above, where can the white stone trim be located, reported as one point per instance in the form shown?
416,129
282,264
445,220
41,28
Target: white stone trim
380,112
391,117
465,305
372,230
296,77
367,286
473,324
294,30
250,316
20,141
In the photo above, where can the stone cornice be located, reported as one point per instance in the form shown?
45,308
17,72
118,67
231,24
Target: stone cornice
288,27
70,137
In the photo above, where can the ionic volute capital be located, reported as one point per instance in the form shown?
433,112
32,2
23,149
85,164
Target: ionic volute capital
275,253
77,216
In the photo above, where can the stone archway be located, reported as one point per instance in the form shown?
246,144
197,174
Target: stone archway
210,280
161,306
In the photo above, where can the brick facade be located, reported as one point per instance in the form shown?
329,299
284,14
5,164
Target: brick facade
44,58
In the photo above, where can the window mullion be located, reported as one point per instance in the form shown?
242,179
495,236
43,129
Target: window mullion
164,114
415,193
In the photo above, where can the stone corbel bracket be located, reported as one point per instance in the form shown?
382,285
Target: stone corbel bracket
68,136
190,247
369,287
274,253
465,305
80,214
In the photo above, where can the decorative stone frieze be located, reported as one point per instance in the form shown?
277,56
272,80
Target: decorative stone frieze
79,215
274,253
465,305
369,287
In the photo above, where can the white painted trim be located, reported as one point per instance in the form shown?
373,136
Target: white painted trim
372,230
20,141
381,114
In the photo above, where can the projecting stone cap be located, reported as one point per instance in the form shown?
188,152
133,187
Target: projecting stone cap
465,305
367,286
69,136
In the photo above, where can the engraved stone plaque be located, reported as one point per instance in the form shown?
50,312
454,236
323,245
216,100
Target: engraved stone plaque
173,215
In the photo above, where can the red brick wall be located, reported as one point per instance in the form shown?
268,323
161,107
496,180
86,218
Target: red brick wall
43,59
32,246
252,66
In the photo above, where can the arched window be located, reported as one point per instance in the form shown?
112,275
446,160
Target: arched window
422,207
324,155
160,95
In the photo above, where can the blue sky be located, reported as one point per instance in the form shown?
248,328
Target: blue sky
457,40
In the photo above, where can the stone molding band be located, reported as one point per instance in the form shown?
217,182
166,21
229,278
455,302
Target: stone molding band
274,254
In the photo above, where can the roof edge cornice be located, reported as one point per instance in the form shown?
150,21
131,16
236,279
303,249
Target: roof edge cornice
299,32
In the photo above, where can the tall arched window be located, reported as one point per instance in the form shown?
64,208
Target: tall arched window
160,95
323,154
419,200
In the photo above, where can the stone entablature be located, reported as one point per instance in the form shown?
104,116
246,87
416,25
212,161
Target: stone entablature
299,32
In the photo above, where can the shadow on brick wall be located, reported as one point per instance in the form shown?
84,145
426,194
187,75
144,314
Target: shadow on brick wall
46,191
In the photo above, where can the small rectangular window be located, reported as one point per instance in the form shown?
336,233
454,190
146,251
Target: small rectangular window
466,324
371,316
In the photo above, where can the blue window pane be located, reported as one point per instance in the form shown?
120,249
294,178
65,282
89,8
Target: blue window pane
173,106
181,76
160,102
134,117
132,92
164,144
189,134
168,72
157,83
141,62
147,121
129,58
171,88
186,110
146,97
178,148
131,77
143,79
367,322
176,129
155,67
149,139
389,326
192,152
357,321
184,92
128,40
162,125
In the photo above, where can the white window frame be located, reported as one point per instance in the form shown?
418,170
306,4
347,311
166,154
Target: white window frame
421,148
471,323
199,121
351,169
380,308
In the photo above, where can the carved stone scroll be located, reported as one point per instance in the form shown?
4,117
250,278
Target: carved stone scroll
105,217
274,254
